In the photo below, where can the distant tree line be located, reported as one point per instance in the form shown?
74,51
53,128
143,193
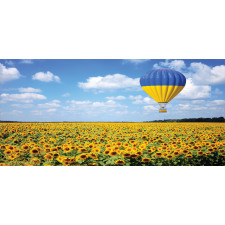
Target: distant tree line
213,120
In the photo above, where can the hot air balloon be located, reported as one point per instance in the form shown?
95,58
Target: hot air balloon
163,85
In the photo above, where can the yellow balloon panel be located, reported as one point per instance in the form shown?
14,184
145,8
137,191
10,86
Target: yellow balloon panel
162,93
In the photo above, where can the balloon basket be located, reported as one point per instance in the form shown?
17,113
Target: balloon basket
162,107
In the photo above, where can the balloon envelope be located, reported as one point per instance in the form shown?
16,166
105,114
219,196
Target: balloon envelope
163,84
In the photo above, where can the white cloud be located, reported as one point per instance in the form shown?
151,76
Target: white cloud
51,110
203,74
136,61
196,105
174,64
93,107
116,98
46,77
66,95
150,108
145,100
24,97
26,61
191,107
52,104
198,101
25,106
115,81
9,62
217,103
193,91
199,72
8,74
29,89
137,97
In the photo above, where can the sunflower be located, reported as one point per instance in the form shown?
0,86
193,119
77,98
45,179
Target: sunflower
83,156
169,156
48,157
9,147
195,147
119,143
126,155
55,154
146,160
25,147
176,153
67,149
97,150
126,144
113,153
139,153
82,150
66,163
200,152
36,161
8,152
35,151
134,156
120,162
185,151
92,164
93,155
11,157
2,164
54,149
60,159
47,150
106,152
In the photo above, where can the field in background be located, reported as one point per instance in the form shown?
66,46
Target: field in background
107,144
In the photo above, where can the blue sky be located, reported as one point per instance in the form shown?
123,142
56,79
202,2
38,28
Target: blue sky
105,90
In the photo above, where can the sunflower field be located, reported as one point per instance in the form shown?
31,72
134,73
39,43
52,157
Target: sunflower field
112,144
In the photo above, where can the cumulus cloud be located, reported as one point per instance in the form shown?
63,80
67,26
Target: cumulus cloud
116,98
136,61
51,110
29,90
24,106
199,72
174,64
193,91
26,61
93,107
66,95
115,81
9,62
52,104
150,108
137,97
8,74
203,74
198,105
46,77
145,100
24,97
